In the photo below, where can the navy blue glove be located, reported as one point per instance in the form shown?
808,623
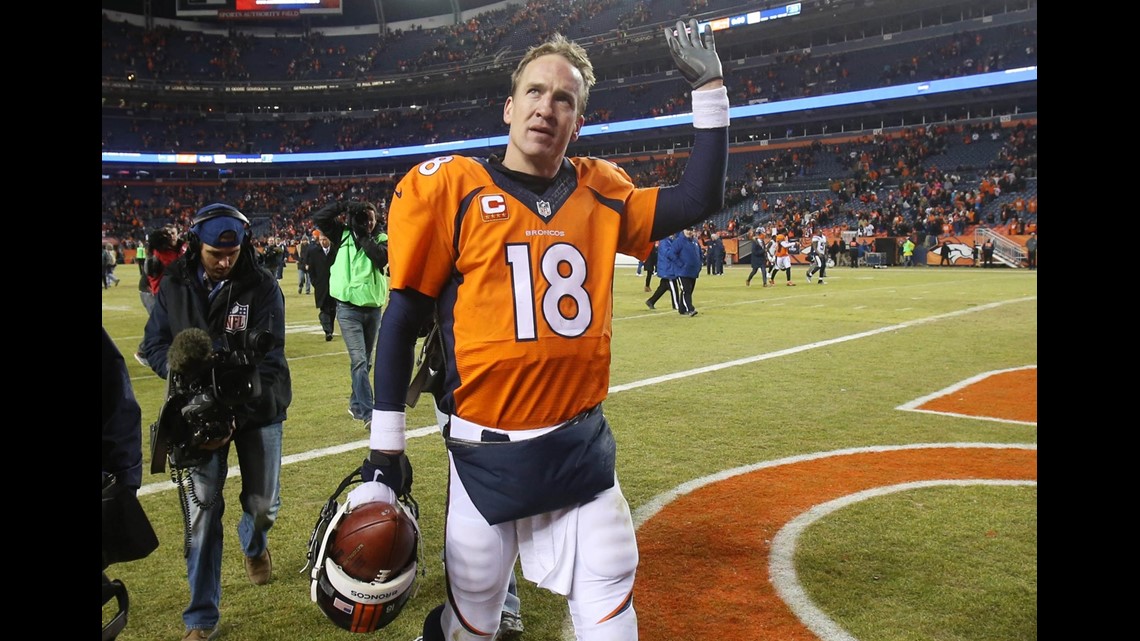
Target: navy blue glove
393,470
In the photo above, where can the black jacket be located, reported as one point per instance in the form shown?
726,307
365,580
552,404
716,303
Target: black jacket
758,255
250,301
122,419
651,261
318,265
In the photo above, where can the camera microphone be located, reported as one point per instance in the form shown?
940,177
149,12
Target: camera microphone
190,352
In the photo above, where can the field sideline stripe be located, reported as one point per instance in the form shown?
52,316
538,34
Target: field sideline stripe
810,346
153,488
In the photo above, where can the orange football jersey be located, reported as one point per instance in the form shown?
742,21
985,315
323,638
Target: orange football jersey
523,282
781,246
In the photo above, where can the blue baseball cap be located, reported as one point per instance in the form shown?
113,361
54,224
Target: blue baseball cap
221,231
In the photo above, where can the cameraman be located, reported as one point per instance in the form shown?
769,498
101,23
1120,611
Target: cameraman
217,286
358,283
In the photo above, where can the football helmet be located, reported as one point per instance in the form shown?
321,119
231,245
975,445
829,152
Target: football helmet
350,603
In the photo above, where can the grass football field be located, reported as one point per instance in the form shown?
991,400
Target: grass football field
787,475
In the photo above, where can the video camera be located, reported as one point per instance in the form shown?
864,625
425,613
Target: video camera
205,390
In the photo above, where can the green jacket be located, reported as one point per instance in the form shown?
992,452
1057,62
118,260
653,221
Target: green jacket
355,278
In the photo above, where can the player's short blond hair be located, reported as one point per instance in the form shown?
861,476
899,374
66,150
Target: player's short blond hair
560,45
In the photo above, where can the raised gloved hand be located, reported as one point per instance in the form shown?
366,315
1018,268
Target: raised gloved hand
694,53
393,470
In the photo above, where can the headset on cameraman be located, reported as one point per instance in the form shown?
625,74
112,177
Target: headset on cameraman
210,212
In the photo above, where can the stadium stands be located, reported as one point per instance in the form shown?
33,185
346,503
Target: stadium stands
807,159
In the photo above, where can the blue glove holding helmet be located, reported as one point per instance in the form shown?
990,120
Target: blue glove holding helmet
393,470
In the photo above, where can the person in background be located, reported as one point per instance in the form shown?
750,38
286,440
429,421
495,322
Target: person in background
533,237
1031,250
864,249
304,280
758,257
145,295
988,253
908,252
165,247
784,248
318,258
109,262
140,258
817,258
217,286
273,257
823,257
688,271
716,255
358,283
667,265
650,266
945,253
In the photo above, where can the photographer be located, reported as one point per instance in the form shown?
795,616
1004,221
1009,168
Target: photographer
358,283
218,288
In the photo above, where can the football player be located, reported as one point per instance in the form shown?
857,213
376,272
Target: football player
784,247
818,257
517,256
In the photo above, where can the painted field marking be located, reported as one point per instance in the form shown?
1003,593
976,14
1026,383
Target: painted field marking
917,404
783,497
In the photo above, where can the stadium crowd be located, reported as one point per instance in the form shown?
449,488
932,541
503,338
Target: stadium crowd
174,126
911,179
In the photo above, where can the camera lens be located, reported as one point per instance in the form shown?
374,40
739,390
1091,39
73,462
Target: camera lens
261,341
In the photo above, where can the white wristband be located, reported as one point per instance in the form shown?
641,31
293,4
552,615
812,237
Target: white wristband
710,108
388,431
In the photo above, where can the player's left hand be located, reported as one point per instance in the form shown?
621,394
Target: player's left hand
393,470
694,53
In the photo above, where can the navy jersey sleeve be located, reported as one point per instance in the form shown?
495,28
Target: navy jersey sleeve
700,193
395,348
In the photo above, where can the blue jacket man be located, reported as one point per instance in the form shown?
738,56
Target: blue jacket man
689,262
